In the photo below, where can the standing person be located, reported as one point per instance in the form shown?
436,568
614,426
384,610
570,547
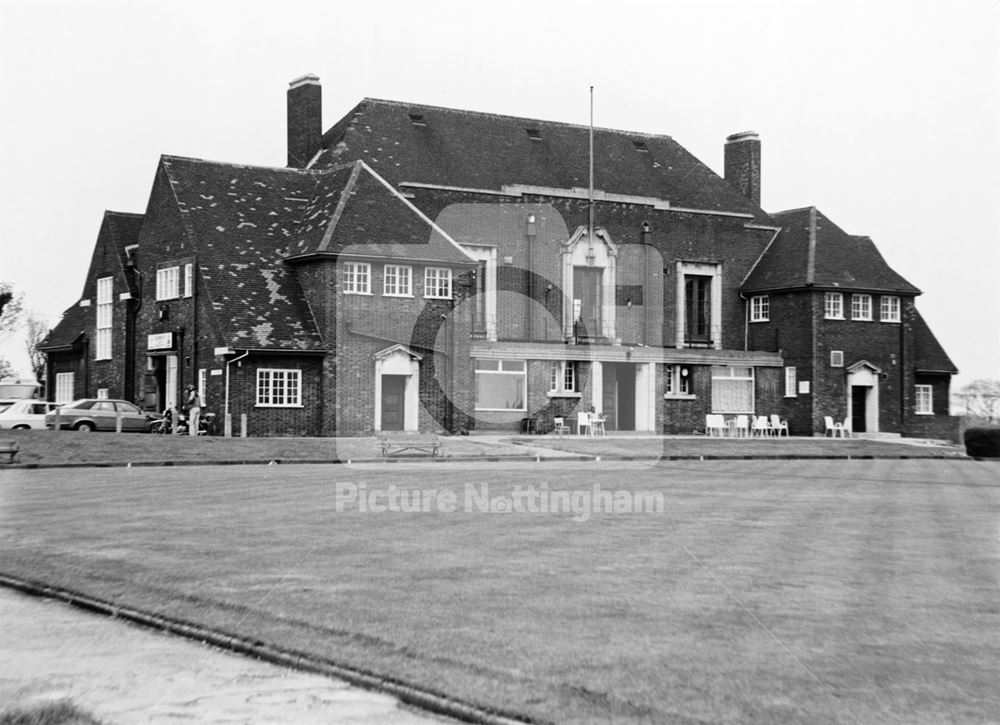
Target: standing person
194,409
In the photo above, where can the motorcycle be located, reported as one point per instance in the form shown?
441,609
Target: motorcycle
163,424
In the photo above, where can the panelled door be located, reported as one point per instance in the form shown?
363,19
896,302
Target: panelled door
393,397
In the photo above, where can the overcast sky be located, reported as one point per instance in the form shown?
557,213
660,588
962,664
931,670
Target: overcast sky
884,115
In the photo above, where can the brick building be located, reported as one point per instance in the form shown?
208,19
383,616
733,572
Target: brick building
423,268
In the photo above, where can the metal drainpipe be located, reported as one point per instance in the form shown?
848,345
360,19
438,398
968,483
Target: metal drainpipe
86,368
226,419
194,328
530,235
645,279
746,322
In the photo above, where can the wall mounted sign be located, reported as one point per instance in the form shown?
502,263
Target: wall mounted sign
160,341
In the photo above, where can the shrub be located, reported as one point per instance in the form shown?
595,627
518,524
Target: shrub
54,713
982,442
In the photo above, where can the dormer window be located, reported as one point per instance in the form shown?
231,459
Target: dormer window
417,119
534,134
640,146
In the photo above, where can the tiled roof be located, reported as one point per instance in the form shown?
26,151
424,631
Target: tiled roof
243,219
928,354
119,229
124,228
812,250
68,329
406,142
246,220
363,207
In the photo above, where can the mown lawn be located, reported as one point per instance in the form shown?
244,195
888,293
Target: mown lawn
765,592
70,447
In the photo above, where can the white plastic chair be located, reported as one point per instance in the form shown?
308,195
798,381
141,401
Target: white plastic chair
597,425
778,425
583,422
761,427
742,427
715,424
560,426
834,430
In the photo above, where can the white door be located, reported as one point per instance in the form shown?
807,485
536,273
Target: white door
64,387
171,382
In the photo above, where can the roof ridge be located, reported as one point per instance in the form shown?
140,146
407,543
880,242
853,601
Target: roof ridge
792,211
231,164
140,215
345,195
413,208
564,124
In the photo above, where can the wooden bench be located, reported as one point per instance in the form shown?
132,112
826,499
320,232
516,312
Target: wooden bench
9,448
411,445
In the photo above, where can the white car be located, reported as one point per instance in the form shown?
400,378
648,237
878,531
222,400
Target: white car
23,414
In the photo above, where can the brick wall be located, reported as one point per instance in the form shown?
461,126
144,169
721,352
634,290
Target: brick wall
674,236
163,242
303,420
789,331
685,415
939,425
438,330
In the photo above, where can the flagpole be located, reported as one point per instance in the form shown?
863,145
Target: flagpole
590,187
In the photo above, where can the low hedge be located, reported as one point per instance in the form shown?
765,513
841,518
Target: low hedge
982,442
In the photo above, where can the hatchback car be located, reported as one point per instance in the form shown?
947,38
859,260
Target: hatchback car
91,414
24,414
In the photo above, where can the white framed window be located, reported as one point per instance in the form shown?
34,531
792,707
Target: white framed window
562,377
188,280
102,393
925,400
105,295
437,283
64,387
699,305
760,308
732,389
833,306
202,383
357,278
677,381
501,385
836,358
168,283
861,307
889,310
397,280
279,388
791,384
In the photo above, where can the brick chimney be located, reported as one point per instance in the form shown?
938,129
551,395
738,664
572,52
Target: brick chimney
305,120
743,164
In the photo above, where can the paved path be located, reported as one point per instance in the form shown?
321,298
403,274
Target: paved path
125,674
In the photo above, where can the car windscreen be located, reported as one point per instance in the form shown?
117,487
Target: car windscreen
127,407
4,406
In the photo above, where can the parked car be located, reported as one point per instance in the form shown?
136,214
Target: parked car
23,414
91,414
